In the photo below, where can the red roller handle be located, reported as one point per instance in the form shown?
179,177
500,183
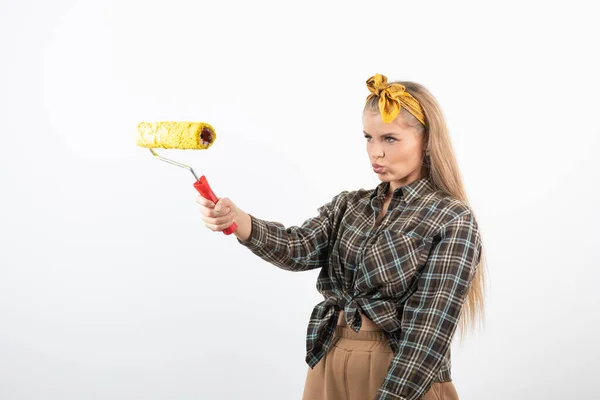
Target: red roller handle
202,186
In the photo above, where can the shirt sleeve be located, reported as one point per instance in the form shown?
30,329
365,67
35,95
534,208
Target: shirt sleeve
430,314
295,248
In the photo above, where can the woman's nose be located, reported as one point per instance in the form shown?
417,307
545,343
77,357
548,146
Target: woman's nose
378,154
375,151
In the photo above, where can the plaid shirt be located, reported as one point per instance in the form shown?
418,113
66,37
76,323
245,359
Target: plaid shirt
410,274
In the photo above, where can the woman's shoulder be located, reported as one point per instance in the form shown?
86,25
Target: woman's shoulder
345,199
351,195
445,208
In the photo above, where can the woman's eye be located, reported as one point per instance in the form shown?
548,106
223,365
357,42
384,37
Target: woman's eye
388,137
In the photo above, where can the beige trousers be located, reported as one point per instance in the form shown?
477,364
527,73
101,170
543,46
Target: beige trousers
355,367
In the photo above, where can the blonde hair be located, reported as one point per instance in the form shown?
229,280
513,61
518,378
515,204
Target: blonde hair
444,175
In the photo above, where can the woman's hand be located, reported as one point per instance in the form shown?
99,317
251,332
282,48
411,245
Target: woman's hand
218,217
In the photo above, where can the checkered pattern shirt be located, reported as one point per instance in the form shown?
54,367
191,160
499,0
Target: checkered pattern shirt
409,275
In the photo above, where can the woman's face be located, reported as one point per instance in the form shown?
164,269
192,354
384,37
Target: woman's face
395,146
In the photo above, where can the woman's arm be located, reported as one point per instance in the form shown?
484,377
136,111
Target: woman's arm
293,248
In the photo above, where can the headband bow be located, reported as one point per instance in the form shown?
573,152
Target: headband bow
392,97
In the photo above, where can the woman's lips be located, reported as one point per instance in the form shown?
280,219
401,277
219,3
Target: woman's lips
378,170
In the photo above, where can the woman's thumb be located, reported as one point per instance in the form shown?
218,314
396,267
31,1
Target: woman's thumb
222,203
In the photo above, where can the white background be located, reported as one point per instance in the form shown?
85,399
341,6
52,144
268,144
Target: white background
111,287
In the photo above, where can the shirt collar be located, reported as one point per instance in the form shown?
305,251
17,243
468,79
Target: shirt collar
409,192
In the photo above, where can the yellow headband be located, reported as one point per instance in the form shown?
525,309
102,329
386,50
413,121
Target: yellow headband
391,99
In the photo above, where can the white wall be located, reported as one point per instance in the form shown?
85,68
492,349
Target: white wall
112,288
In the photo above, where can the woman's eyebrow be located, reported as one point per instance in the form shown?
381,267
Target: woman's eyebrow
385,134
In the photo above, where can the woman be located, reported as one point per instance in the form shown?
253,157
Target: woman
399,263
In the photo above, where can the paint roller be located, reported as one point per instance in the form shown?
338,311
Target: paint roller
181,135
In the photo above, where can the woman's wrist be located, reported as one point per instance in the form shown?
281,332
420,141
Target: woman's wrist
244,230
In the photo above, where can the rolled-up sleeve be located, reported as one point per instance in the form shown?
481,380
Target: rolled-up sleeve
430,314
295,248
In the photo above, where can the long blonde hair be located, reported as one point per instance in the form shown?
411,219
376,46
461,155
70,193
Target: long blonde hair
444,175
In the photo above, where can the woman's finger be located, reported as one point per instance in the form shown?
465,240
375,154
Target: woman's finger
204,201
218,224
217,221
